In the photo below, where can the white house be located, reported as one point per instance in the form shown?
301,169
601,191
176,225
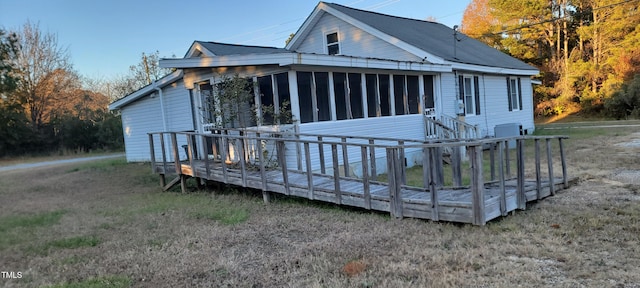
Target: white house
345,72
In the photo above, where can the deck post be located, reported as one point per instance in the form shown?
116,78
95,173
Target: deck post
503,190
224,153
365,178
565,178
190,152
429,174
477,185
403,159
207,168
521,198
266,197
243,159
183,183
372,156
395,183
552,189
296,129
307,161
153,153
492,159
456,170
345,157
507,158
538,178
438,166
323,168
164,152
176,155
280,146
336,173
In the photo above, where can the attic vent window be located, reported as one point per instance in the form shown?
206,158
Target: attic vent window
333,46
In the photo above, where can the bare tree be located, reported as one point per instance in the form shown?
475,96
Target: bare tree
148,70
143,73
44,72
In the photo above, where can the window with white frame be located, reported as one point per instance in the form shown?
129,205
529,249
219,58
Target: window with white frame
514,91
469,97
333,43
469,94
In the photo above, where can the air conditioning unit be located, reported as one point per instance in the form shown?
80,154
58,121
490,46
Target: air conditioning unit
508,130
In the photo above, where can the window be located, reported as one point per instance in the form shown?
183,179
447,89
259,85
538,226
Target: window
372,95
313,91
399,94
470,94
333,45
355,95
413,94
284,97
208,102
305,97
265,89
322,96
340,90
385,95
429,101
469,100
514,93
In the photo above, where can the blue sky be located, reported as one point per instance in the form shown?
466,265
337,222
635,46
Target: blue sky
105,37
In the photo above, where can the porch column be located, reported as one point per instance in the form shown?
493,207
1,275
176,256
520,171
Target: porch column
293,93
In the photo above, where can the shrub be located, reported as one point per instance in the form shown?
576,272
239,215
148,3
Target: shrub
625,103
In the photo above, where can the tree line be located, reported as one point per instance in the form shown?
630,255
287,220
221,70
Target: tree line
587,51
47,107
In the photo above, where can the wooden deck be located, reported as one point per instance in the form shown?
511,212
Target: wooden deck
481,200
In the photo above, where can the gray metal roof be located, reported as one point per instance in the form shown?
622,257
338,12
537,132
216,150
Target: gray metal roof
435,38
222,49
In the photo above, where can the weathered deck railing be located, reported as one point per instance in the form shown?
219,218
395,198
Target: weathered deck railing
320,167
447,127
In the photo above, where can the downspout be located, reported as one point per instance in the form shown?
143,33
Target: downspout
164,117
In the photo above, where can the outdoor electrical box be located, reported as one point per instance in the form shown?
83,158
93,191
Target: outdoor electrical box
460,107
508,130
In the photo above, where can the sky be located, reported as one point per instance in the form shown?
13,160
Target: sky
104,38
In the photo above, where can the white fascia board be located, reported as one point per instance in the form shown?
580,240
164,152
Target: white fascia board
383,36
358,62
146,90
493,70
226,61
287,59
196,46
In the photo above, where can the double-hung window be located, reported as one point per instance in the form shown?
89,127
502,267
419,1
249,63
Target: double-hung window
514,93
470,94
333,43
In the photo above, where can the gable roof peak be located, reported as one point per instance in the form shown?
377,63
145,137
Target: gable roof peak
419,37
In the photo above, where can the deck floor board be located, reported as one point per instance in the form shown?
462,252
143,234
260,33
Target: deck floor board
456,202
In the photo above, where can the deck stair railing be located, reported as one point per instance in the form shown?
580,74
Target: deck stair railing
447,127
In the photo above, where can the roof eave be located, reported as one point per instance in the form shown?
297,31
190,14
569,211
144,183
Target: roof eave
495,70
292,58
146,90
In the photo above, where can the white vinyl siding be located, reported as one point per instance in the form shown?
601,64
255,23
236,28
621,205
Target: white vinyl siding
396,127
494,108
353,41
144,116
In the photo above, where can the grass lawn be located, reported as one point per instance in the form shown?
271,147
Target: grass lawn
108,224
